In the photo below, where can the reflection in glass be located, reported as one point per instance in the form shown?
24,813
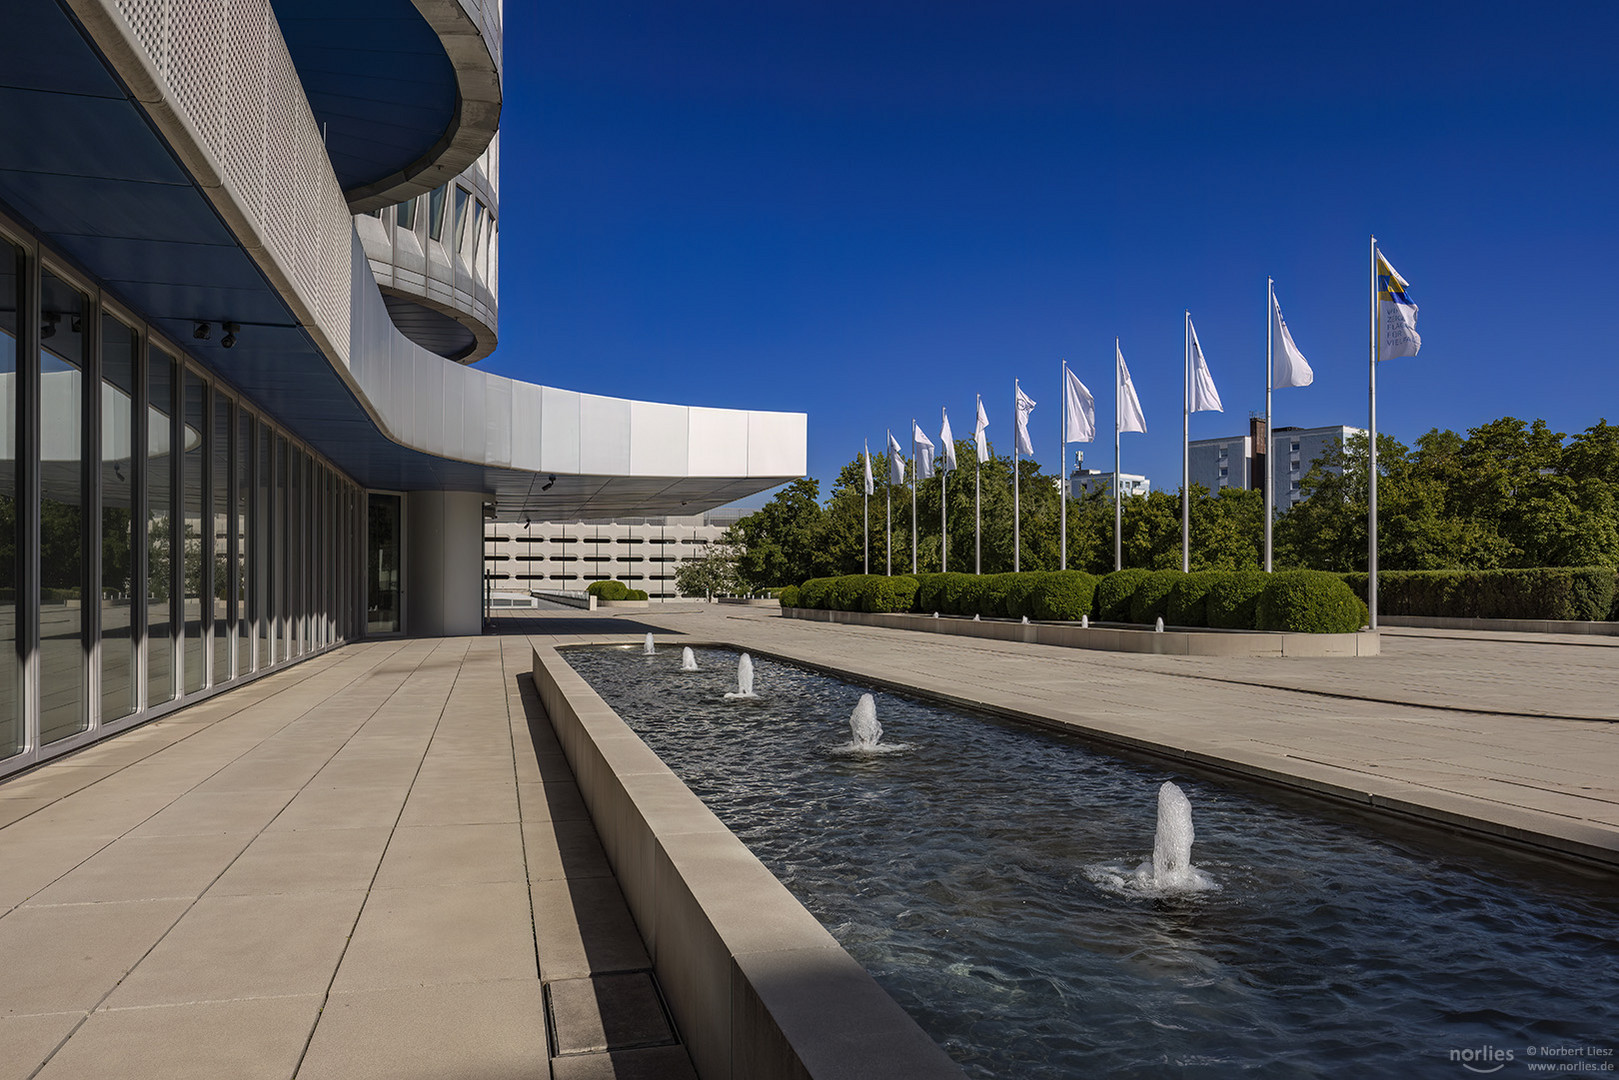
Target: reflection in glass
383,535
224,547
12,735
118,355
298,521
62,703
435,213
194,538
243,570
264,565
283,624
159,531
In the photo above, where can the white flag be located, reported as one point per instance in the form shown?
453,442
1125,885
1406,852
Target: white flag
1130,418
1288,366
1025,406
1396,314
1079,410
871,489
896,461
1205,398
923,449
947,445
978,434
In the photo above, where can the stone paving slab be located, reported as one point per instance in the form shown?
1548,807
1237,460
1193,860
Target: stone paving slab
350,868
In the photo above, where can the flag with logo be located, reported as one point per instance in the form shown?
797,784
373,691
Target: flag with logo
922,447
871,488
1025,406
896,461
1079,410
1130,416
1396,314
1205,398
947,445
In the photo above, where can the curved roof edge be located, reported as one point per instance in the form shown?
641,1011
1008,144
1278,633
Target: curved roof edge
466,38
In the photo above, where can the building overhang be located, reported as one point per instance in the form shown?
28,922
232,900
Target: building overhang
100,177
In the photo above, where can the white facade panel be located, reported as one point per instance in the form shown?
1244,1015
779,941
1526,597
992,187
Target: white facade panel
777,443
527,403
718,442
497,419
559,430
604,435
658,435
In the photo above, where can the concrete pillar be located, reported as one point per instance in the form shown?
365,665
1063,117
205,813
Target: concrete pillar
444,563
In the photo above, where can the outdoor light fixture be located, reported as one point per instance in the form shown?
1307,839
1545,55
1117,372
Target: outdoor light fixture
48,321
547,485
200,331
230,335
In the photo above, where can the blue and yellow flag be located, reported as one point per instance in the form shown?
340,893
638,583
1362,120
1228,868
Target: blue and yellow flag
1396,314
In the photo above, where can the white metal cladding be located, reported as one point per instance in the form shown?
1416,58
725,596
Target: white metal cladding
428,403
224,68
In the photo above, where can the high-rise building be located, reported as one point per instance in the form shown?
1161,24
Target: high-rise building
248,251
1232,463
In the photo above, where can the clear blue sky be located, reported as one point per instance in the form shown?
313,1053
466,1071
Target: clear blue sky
869,210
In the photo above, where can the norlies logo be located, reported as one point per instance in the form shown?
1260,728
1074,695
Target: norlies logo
1483,1059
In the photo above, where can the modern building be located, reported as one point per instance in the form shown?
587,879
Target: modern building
568,556
247,252
1083,482
1231,462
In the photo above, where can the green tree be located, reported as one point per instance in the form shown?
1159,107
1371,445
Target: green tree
711,574
783,542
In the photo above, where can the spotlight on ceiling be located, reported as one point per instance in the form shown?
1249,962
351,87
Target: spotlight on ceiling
201,331
229,339
547,485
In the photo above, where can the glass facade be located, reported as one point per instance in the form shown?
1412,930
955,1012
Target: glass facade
174,539
384,547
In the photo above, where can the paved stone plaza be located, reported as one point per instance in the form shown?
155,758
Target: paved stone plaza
376,863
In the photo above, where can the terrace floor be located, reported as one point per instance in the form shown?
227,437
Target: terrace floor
376,863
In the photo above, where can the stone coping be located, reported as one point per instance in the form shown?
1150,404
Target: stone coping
1113,638
751,601
758,988
1511,626
622,603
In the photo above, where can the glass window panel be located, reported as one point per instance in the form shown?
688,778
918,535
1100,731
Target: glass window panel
461,218
295,575
223,536
12,735
435,212
264,576
243,568
405,215
283,563
382,564
195,530
159,530
63,709
118,355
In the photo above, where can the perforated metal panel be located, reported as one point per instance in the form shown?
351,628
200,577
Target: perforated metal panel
228,73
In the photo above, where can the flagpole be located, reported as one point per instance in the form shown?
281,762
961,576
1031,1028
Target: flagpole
1062,470
1371,460
1017,517
978,519
888,492
1270,368
944,487
1118,503
865,514
1186,454
913,494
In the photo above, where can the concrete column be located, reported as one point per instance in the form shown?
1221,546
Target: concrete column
444,563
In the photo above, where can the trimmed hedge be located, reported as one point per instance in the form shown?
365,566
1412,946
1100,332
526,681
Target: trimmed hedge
1309,602
1189,600
888,594
789,596
1234,598
1067,594
609,590
1151,598
1113,594
1578,594
1020,593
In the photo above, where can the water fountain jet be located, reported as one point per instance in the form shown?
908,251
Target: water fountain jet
744,679
688,659
863,726
648,648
